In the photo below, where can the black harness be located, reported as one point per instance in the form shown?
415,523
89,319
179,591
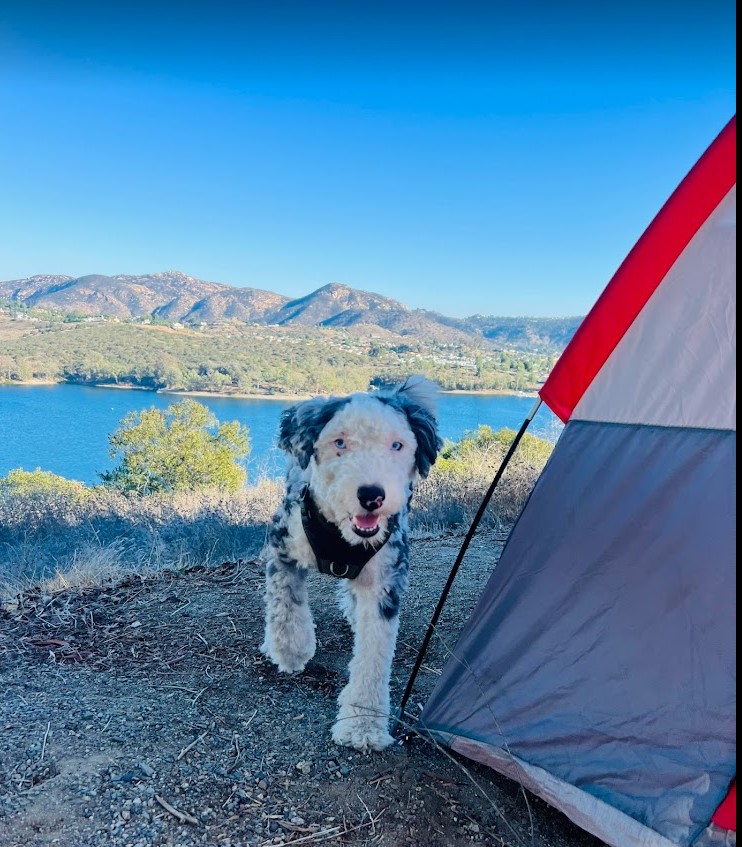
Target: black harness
335,556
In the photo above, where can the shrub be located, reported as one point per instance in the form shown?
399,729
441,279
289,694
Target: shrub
40,483
183,448
453,492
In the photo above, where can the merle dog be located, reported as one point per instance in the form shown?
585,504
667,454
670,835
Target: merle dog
353,465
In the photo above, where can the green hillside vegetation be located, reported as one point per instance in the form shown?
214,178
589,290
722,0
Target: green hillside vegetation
248,359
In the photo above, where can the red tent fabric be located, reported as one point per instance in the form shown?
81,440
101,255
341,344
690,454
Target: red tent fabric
642,272
726,815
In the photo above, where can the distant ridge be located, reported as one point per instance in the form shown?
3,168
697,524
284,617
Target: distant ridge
177,297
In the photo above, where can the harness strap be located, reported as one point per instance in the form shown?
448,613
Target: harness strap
335,556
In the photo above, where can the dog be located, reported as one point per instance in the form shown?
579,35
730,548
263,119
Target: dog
353,463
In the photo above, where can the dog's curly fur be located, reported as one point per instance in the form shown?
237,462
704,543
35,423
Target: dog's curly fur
359,457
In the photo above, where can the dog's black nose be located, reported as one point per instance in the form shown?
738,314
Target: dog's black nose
371,497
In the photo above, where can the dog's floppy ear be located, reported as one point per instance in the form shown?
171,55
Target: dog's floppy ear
301,425
417,397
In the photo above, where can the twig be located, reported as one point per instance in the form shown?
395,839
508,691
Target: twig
191,745
180,688
180,609
238,753
382,777
333,832
43,745
198,695
368,812
183,817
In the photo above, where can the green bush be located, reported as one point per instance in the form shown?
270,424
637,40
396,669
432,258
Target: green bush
183,448
484,445
38,483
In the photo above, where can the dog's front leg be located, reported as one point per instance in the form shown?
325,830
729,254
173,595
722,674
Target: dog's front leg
289,629
363,717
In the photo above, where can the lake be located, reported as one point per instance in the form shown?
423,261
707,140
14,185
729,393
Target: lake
64,428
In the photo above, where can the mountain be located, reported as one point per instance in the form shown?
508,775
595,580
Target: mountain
336,305
177,297
171,295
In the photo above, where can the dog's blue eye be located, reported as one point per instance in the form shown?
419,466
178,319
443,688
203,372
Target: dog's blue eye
340,443
397,445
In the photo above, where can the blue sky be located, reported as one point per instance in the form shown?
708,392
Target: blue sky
464,157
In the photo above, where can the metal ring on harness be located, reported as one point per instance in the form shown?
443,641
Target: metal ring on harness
338,573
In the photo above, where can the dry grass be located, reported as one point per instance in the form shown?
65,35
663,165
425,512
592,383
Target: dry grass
65,540
66,537
451,495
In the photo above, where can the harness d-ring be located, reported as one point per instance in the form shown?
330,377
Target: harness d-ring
338,572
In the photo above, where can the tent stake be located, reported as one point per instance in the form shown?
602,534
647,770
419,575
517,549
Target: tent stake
457,564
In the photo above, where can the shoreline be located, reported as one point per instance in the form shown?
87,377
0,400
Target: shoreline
292,398
235,395
491,392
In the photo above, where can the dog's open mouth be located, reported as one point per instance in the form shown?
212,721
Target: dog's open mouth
365,525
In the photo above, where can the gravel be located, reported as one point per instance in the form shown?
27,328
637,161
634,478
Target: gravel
142,714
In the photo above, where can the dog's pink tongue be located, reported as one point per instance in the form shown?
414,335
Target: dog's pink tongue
367,521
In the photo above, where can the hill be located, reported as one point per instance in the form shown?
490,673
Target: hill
176,297
171,295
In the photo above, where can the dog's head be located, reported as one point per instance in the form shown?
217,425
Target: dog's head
362,454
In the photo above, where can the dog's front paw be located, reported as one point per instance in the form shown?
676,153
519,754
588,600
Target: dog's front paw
290,655
286,662
362,731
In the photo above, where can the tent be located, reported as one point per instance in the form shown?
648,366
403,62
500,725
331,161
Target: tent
598,668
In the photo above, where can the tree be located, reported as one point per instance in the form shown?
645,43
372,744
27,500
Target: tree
183,448
7,367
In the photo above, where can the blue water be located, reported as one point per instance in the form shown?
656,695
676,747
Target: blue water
64,428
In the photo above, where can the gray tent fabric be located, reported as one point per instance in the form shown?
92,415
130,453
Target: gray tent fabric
587,811
602,649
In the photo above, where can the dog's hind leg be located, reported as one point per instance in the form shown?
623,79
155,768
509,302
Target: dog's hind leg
289,629
363,716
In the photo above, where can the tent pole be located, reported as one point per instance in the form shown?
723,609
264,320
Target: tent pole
457,564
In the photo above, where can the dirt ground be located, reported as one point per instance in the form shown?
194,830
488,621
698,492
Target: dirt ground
142,714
